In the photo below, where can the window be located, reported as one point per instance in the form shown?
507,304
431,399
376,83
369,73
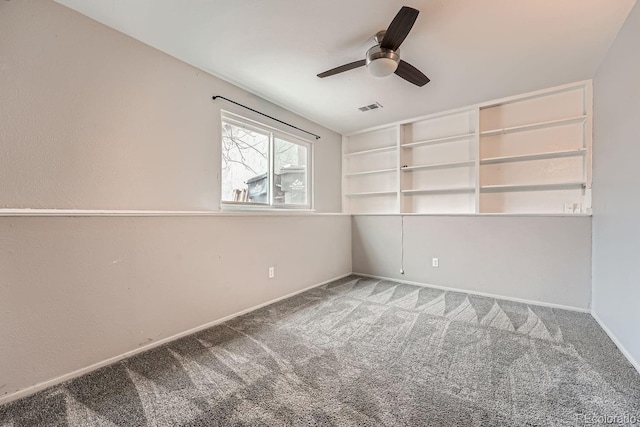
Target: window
262,166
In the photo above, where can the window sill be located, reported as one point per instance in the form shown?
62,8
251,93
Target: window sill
253,207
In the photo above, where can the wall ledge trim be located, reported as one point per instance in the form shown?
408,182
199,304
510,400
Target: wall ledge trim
111,360
490,215
482,294
155,213
616,341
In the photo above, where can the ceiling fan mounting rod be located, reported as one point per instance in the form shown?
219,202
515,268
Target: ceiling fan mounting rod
379,36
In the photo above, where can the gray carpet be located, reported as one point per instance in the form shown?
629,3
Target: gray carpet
360,352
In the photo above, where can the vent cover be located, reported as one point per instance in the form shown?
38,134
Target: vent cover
370,107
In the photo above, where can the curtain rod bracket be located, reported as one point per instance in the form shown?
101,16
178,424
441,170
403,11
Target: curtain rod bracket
265,115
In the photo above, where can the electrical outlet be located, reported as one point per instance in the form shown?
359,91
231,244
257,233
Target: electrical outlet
272,272
435,262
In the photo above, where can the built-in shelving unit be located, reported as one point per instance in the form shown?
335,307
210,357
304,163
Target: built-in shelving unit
370,171
535,152
438,163
529,154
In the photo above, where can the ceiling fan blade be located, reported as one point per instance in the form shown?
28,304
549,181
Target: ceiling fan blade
342,68
411,74
399,28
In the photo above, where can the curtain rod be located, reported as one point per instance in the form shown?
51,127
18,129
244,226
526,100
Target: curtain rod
262,114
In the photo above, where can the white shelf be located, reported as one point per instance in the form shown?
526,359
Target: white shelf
439,166
371,172
438,140
533,126
370,193
374,150
537,156
533,187
440,190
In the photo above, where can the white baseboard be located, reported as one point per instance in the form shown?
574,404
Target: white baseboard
482,294
617,342
77,373
66,377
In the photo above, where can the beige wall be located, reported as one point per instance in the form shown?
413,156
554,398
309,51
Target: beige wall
92,119
77,291
535,258
616,179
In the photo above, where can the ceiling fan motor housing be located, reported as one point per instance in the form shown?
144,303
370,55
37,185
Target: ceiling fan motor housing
382,62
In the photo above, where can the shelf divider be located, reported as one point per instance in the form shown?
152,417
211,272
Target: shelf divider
476,148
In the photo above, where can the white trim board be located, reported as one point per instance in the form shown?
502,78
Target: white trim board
58,380
26,212
482,294
111,360
19,213
616,341
481,214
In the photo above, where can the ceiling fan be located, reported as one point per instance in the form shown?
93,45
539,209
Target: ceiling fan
383,59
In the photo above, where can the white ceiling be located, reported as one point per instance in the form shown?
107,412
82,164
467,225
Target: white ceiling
473,50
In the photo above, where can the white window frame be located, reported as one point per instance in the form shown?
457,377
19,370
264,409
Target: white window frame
273,133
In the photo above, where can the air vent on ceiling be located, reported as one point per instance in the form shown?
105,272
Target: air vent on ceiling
370,107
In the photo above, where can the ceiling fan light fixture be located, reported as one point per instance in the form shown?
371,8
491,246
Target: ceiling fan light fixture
382,67
382,62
